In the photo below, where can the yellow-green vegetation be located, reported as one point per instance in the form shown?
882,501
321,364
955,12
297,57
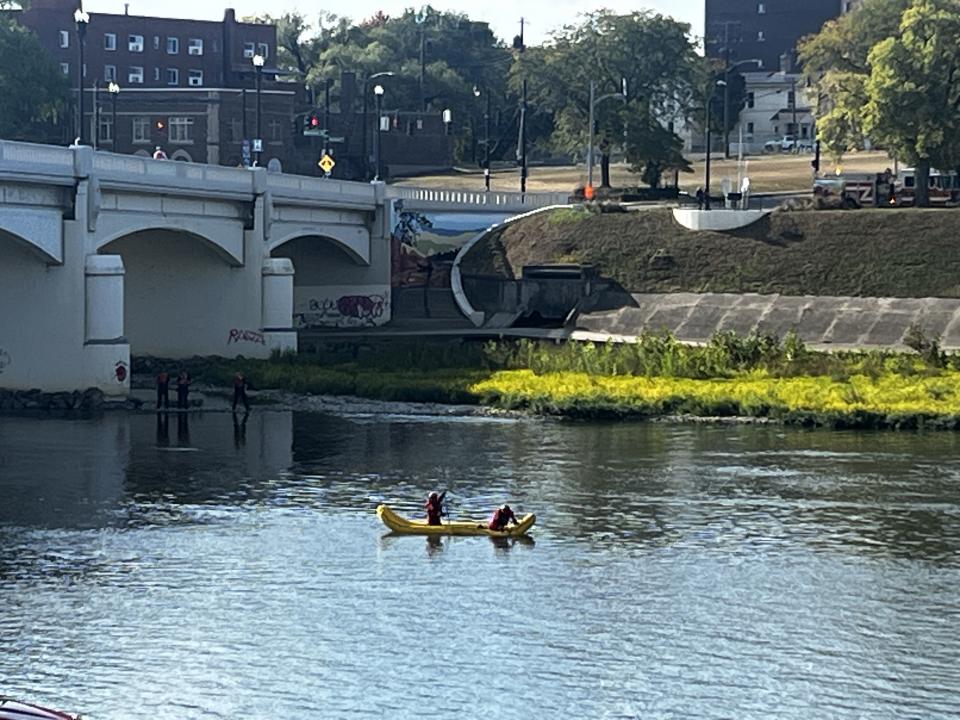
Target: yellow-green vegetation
755,376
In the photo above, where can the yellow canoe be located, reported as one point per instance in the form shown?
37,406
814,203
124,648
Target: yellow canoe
401,525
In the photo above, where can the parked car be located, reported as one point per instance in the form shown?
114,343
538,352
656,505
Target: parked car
788,143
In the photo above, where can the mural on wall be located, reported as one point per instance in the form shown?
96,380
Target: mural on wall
358,306
423,248
120,371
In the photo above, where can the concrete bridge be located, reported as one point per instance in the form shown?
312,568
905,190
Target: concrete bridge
102,255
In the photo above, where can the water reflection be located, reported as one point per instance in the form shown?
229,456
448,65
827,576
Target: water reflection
707,572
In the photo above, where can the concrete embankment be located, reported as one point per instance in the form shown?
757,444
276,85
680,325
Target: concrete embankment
821,322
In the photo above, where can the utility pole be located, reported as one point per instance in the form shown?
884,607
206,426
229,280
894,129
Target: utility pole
486,143
726,91
519,45
423,65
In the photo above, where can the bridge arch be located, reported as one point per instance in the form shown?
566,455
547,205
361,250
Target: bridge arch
227,245
181,155
332,282
183,293
354,242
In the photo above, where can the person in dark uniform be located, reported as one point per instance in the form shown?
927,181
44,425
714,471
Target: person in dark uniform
163,387
183,390
240,386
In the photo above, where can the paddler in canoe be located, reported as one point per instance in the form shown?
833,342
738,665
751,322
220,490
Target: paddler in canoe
502,517
434,507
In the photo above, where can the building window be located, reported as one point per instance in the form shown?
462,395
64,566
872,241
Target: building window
195,46
64,39
760,37
173,76
249,49
181,129
110,73
173,46
156,74
65,68
263,50
106,128
750,100
135,76
791,98
109,41
236,131
135,43
276,130
749,128
141,130
156,42
195,78
761,9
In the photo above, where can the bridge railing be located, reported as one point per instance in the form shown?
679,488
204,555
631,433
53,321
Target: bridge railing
114,169
291,187
504,200
40,160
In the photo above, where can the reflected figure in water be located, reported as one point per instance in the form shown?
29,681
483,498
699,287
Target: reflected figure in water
183,429
163,430
434,544
240,429
505,544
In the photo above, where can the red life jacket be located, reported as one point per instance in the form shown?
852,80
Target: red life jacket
501,518
434,511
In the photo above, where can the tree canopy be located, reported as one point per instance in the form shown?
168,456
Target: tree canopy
28,108
890,71
646,61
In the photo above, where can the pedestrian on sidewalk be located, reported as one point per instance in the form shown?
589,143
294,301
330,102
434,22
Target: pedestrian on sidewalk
183,390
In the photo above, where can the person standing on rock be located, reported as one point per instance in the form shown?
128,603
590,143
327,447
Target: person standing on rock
240,386
183,390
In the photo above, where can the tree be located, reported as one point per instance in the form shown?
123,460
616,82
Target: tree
891,71
29,108
913,92
651,56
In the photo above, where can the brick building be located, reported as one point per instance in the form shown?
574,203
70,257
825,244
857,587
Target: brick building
189,86
765,30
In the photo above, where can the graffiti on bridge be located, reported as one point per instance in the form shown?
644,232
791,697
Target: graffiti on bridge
345,311
237,335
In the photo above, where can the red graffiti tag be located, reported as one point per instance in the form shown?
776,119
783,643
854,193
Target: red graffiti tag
237,335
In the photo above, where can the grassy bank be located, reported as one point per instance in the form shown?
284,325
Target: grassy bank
757,376
866,253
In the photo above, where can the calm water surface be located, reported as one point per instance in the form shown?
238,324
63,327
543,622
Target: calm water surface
207,570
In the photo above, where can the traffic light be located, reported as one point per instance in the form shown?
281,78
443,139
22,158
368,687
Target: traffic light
312,123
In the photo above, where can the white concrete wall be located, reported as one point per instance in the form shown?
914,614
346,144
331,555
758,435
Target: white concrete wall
182,298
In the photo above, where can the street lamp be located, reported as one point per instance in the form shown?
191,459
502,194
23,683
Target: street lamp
114,91
82,19
706,179
593,102
486,136
378,92
258,61
366,129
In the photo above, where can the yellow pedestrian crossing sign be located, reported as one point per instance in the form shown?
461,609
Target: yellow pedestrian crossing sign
326,163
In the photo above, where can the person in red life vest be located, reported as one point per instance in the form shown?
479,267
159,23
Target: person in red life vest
434,507
183,390
163,387
502,517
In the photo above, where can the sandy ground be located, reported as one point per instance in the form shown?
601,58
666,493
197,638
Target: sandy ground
768,173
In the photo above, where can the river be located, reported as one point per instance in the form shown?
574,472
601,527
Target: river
200,568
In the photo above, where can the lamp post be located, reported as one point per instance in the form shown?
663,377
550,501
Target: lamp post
486,135
96,114
82,19
258,61
706,171
378,93
594,101
365,129
114,91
